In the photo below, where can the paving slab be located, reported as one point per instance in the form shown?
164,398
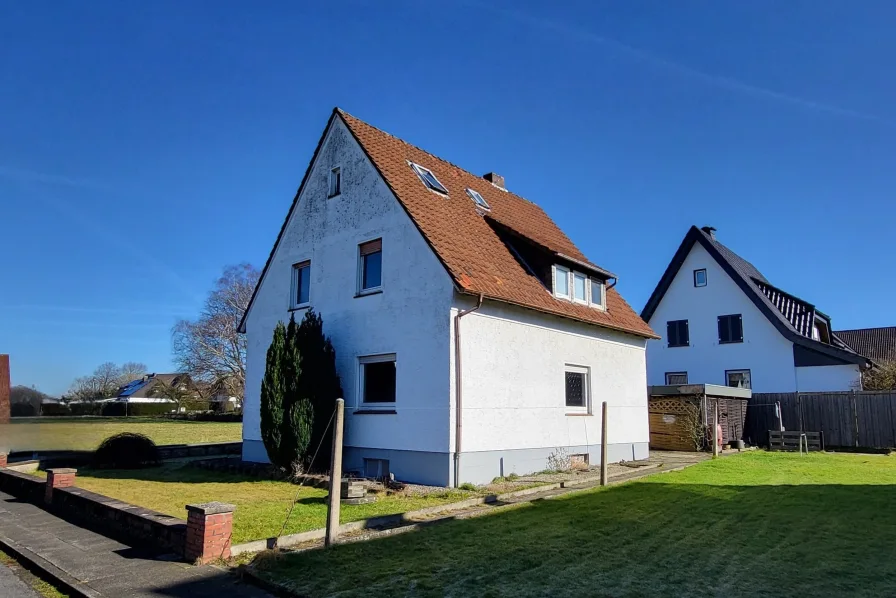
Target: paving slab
97,566
13,587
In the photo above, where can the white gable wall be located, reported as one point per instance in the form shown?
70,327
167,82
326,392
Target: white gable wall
409,318
514,409
765,352
829,378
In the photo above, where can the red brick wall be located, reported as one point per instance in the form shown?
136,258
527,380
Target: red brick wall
4,389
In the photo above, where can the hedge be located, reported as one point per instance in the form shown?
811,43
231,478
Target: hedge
114,409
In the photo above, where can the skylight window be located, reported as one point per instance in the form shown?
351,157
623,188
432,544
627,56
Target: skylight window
478,199
429,179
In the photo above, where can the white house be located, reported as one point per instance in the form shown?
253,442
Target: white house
722,322
473,338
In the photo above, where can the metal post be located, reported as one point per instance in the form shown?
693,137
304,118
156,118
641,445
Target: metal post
603,444
335,477
715,429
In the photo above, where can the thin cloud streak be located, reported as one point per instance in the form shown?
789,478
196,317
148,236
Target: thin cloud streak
30,176
684,70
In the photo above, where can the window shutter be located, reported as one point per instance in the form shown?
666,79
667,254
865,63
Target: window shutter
672,333
722,329
685,333
738,328
371,247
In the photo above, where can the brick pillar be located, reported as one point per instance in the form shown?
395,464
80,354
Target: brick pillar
58,478
2,459
4,389
209,531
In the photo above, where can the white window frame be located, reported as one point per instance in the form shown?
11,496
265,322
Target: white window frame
335,172
476,196
748,372
294,285
561,271
602,304
420,170
668,374
360,282
587,283
578,369
705,278
367,359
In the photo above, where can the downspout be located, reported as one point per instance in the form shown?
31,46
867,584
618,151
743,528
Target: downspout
458,389
615,280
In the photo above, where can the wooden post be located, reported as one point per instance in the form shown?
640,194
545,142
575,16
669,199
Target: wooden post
603,444
335,477
715,429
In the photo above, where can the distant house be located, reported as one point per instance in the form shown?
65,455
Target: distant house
473,338
722,322
877,344
142,390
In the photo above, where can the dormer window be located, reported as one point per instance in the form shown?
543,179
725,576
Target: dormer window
578,287
429,179
478,199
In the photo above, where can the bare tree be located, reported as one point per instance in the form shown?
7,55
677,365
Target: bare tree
131,371
210,349
880,377
181,392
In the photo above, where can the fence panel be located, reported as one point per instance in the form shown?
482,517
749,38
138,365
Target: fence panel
848,419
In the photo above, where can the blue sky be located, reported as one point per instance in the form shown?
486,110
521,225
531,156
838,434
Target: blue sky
144,146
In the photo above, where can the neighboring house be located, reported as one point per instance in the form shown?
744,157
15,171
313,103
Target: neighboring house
395,248
877,344
722,322
142,389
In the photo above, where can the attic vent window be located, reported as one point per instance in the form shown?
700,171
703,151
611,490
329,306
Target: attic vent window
429,179
478,199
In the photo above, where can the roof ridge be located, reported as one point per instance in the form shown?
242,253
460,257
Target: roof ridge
865,329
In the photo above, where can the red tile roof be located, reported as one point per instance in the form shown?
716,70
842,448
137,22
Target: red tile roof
471,250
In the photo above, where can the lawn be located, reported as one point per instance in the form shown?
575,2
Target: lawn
261,505
752,524
87,433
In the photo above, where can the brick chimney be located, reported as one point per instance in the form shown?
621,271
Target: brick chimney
495,179
4,389
709,230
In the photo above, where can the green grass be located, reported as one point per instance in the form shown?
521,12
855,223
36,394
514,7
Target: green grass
262,505
748,525
88,433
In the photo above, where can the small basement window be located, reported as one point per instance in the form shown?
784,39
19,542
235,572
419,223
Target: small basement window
738,378
335,184
676,378
378,380
700,277
376,469
577,388
301,285
429,179
478,199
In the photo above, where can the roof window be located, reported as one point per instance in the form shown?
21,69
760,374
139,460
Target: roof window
478,199
429,179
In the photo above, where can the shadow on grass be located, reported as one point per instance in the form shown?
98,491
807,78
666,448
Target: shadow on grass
636,539
169,472
312,500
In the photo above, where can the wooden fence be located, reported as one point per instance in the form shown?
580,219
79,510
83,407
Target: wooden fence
865,419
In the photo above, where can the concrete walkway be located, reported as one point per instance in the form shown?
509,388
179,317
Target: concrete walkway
94,566
13,587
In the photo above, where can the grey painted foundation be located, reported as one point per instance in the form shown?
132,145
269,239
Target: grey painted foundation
437,469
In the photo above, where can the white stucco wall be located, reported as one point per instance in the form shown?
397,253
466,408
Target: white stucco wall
829,378
514,387
409,318
765,352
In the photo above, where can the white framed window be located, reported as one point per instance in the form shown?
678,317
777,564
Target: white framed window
738,378
478,199
335,183
377,377
676,378
370,266
700,277
429,179
301,285
561,282
577,385
579,288
598,293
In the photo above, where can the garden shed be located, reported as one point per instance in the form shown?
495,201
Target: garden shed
681,415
